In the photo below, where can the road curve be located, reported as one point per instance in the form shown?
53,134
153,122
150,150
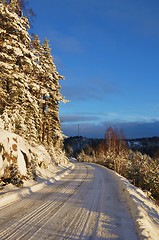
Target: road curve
83,205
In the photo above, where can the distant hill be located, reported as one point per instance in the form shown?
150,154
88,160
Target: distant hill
74,145
149,146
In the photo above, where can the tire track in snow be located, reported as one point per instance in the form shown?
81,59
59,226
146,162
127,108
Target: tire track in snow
95,214
49,220
87,222
80,216
25,227
84,206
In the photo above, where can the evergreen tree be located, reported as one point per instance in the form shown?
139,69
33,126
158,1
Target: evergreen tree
16,66
29,81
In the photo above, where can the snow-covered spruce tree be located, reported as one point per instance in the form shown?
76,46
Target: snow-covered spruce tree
52,98
16,66
29,81
47,90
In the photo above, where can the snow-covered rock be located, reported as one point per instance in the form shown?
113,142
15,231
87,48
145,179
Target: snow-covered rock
19,159
14,151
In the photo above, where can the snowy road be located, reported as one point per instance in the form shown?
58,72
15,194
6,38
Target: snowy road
83,205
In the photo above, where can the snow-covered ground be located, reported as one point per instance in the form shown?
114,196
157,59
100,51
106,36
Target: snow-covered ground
11,193
82,205
92,201
144,211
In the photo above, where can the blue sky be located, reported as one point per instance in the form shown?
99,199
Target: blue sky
108,51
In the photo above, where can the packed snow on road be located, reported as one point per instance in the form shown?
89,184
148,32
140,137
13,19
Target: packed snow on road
91,202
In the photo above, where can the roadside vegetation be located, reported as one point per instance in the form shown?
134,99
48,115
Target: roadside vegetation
114,152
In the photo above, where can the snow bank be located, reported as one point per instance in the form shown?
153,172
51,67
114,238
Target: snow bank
42,156
143,210
51,172
12,193
15,152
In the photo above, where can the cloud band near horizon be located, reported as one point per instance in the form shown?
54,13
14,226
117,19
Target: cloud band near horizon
92,129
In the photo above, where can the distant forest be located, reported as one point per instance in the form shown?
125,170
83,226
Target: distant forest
135,159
